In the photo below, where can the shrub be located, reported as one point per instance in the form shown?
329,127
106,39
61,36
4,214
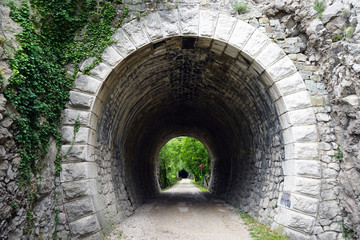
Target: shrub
320,6
240,7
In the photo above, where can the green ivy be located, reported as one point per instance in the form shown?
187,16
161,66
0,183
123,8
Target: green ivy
55,33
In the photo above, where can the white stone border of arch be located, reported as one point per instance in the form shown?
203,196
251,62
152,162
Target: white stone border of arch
223,34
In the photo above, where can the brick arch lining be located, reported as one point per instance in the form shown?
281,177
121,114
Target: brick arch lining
197,72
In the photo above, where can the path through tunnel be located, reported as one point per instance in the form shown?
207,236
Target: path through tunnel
178,87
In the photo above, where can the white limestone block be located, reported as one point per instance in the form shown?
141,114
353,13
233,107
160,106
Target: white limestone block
307,133
279,70
301,151
306,168
84,226
224,27
71,115
100,71
111,56
82,136
77,171
290,84
80,100
293,101
257,42
169,21
189,19
302,185
152,26
270,54
86,83
241,34
136,33
207,24
123,43
296,220
78,152
79,208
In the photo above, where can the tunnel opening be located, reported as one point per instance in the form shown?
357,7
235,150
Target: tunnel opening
171,89
183,157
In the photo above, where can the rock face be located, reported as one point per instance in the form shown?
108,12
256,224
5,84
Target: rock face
281,118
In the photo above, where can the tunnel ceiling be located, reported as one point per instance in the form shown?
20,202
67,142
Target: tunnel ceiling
177,88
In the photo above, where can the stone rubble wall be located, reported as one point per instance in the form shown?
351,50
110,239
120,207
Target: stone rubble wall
331,73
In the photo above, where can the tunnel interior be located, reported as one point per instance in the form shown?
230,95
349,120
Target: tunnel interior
178,87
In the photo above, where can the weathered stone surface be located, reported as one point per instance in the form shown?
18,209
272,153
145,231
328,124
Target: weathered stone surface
207,23
111,56
302,151
257,42
84,226
77,171
300,134
169,23
224,27
295,220
79,208
122,44
152,26
242,32
136,33
189,19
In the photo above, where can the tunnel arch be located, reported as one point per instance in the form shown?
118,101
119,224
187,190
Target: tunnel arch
259,95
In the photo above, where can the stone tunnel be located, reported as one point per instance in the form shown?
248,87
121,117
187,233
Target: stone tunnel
205,75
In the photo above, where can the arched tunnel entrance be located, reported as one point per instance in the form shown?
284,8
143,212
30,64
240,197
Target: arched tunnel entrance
180,89
236,92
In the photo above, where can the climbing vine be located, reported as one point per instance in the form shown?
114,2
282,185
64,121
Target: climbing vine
56,34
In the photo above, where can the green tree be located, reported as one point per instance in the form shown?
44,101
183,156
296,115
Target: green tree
184,153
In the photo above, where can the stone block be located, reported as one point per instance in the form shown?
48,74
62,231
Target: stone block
123,43
169,23
304,204
77,153
257,42
152,26
84,226
100,71
79,208
136,33
292,234
207,23
224,27
85,83
301,151
242,32
270,54
77,171
189,19
306,168
293,101
295,220
290,84
301,116
301,185
77,189
82,136
279,70
80,100
111,56
300,134
71,115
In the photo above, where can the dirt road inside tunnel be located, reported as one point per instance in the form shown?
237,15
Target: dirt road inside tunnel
183,212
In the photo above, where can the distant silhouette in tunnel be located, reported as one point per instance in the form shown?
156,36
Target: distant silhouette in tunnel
183,174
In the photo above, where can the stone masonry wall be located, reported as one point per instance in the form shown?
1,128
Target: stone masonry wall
331,72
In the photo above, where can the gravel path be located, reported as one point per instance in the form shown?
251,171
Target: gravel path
183,212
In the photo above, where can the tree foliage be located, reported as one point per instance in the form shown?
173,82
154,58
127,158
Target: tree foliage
184,153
